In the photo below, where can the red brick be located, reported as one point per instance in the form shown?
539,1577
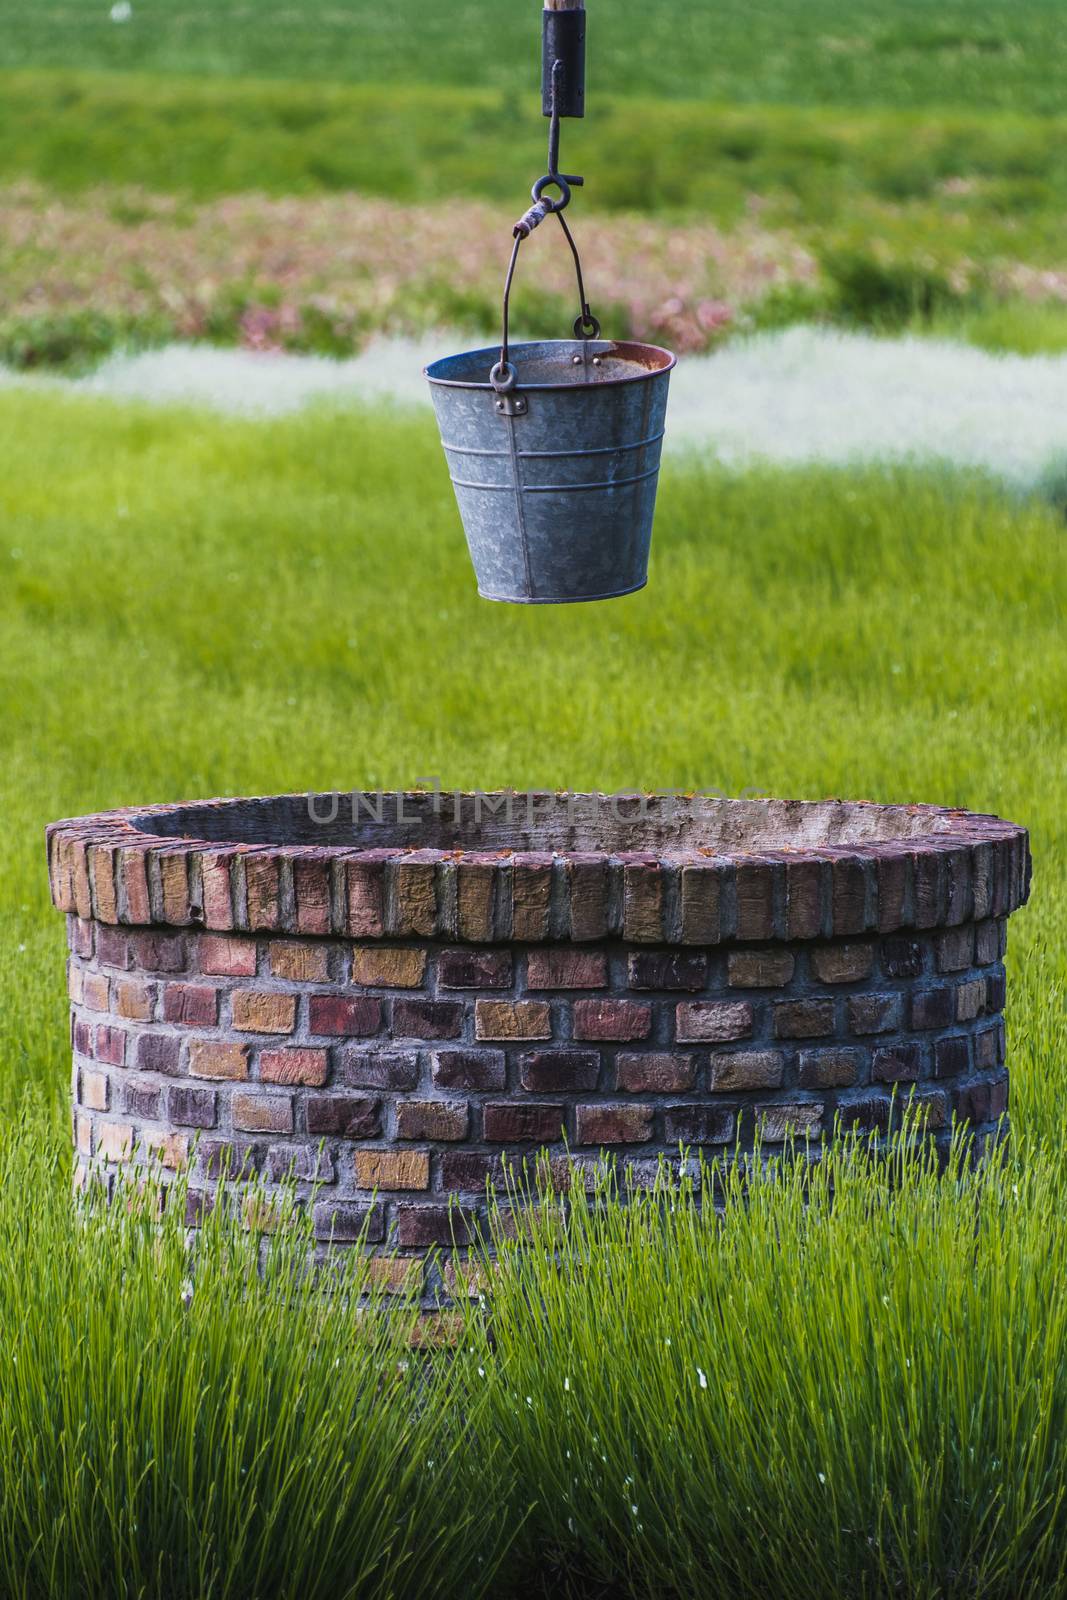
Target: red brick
300,1162
427,1019
83,1037
676,970
348,1223
345,1116
759,969
474,969
265,1011
643,901
952,1057
698,1125
311,890
159,1052
563,967
849,894
470,1172
700,895
612,1019
755,900
930,1111
217,888
222,957
972,1103
902,957
898,1063
955,949
423,1227
804,897
469,1069
191,1108
548,1071
222,1160
803,1019
365,896
432,1119
80,936
191,1005
829,1068
777,1123
714,1021
654,1073
510,1123
587,883
113,948
893,870
389,966
158,952
141,1100
261,1113
512,1019
339,1016
932,1008
294,1066
531,889
874,1013
614,1124
110,1045
869,1115
262,890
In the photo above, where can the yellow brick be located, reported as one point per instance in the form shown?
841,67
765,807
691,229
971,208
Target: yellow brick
208,1060
393,1169
299,962
94,1090
389,967
114,1141
262,1011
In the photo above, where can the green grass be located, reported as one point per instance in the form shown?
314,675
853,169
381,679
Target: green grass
194,607
977,53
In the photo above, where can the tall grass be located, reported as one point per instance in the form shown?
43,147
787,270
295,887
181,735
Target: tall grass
851,1382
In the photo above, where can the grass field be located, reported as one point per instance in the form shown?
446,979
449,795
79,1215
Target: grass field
194,607
978,53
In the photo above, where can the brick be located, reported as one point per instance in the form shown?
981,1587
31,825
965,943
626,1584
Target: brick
932,1008
996,991
211,1059
301,1163
698,1125
221,1160
509,1123
80,936
347,1223
700,896
642,901
849,894
395,1274
674,970
311,891
345,1116
566,968
295,1066
469,1069
842,963
141,1100
622,1020
415,893
951,1057
75,984
262,1113
755,899
930,1111
96,991
262,890
654,1073
389,966
902,957
713,1021
987,943
987,1048
158,952
531,892
894,878
777,1123
549,1071
94,1090
972,1103
159,1052
265,1011
829,1069
955,949
432,1119
114,1141
874,1013
83,1037
79,866
192,1108
298,961
614,1124
804,897
83,1135
112,948
869,1115
474,969
393,1169
512,1019
174,884
587,883
171,1150
341,1017
897,1063
428,1019
110,1045
373,1069
970,1000
747,1069
134,999
217,888
190,1005
998,1099
102,873
365,896
475,888
423,1227
759,969
471,1172
803,1019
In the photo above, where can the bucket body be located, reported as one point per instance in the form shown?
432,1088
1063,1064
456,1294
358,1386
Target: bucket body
556,479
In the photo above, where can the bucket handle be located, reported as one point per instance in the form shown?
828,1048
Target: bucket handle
503,376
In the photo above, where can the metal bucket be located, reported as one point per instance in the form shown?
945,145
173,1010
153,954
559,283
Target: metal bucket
556,474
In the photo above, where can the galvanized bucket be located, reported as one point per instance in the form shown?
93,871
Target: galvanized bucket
556,471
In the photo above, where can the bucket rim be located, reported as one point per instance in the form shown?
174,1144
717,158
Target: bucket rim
622,347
